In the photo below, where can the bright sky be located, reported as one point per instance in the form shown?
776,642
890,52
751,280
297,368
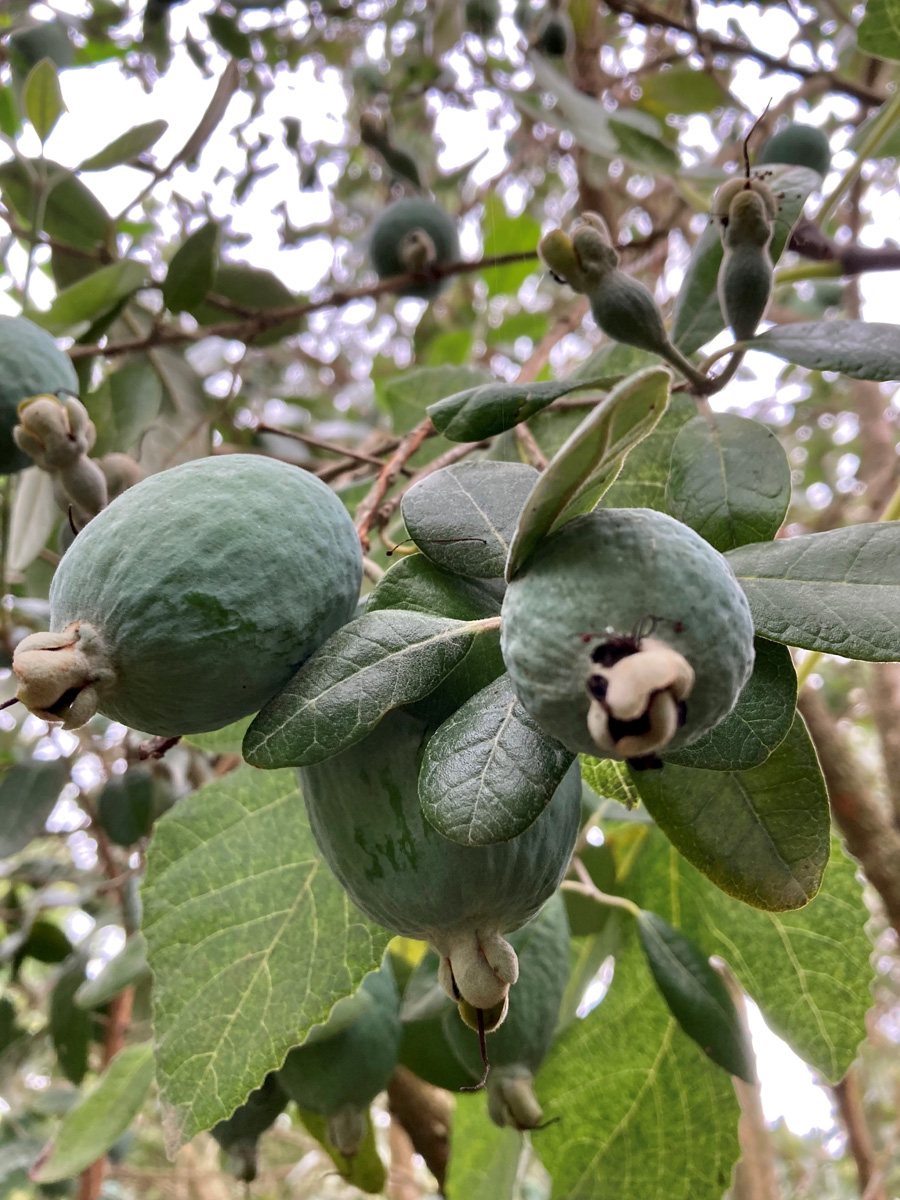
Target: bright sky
102,104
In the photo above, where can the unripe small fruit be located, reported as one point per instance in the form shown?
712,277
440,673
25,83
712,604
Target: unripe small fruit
31,364
799,145
746,275
414,235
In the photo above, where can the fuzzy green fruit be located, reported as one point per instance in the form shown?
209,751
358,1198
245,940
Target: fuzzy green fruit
799,145
31,364
413,235
364,811
193,598
239,1134
604,579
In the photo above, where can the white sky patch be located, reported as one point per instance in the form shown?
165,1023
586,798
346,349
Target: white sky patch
789,1090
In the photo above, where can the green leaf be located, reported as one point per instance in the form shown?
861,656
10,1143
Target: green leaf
125,807
640,1113
698,317
860,349
221,741
9,113
28,795
70,1026
757,725
364,1170
641,148
504,234
808,970
879,31
72,214
760,835
836,592
226,32
481,412
407,396
192,269
729,478
583,116
611,780
45,942
696,995
589,459
415,584
682,91
42,98
99,1118
484,1160
129,965
641,483
490,770
251,941
253,290
378,662
463,517
77,306
34,515
127,147
125,404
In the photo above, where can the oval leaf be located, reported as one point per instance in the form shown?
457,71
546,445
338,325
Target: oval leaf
482,412
42,98
761,835
416,584
729,478
836,592
696,995
489,771
100,1118
192,270
376,663
463,517
78,306
587,462
860,349
757,725
34,513
28,795
126,147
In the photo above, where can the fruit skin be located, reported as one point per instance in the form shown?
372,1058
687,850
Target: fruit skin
31,364
364,812
518,1048
620,569
339,1076
799,145
239,1134
209,584
409,217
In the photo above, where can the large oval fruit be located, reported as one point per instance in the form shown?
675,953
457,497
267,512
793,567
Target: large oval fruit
31,364
518,1048
339,1075
193,598
365,814
799,145
600,588
413,234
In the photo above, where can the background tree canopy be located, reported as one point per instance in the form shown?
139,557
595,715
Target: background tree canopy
187,198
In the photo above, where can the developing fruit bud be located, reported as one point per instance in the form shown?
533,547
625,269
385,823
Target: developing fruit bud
745,209
57,435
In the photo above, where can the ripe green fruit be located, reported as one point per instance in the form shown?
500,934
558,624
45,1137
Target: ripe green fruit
482,16
638,608
31,364
239,1134
799,145
413,235
339,1075
193,598
518,1048
364,811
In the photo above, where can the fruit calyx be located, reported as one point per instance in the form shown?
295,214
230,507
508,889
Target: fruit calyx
477,969
60,674
638,697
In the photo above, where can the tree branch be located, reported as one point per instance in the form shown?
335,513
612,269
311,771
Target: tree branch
808,240
849,1102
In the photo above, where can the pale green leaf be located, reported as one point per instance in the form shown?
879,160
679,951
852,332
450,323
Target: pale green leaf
126,147
484,1160
482,412
34,513
641,483
42,98
79,305
860,349
879,31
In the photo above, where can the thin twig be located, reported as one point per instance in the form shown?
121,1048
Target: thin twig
388,476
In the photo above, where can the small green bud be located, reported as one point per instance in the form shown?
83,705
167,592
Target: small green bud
626,311
746,274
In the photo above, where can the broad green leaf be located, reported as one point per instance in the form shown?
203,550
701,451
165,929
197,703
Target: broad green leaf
34,513
698,317
42,98
378,662
879,31
641,483
463,518
28,795
70,1026
860,349
192,269
126,402
251,941
729,478
836,592
99,1118
481,412
578,474
759,722
638,146
129,965
808,970
611,780
407,396
582,115
696,995
682,91
73,214
364,1170
221,741
9,113
126,147
504,234
45,942
77,306
760,835
640,1112
254,290
489,771
416,584
484,1160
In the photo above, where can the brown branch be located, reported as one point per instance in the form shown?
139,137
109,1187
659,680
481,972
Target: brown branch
808,240
850,1105
388,476
424,1112
454,455
884,699
320,444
